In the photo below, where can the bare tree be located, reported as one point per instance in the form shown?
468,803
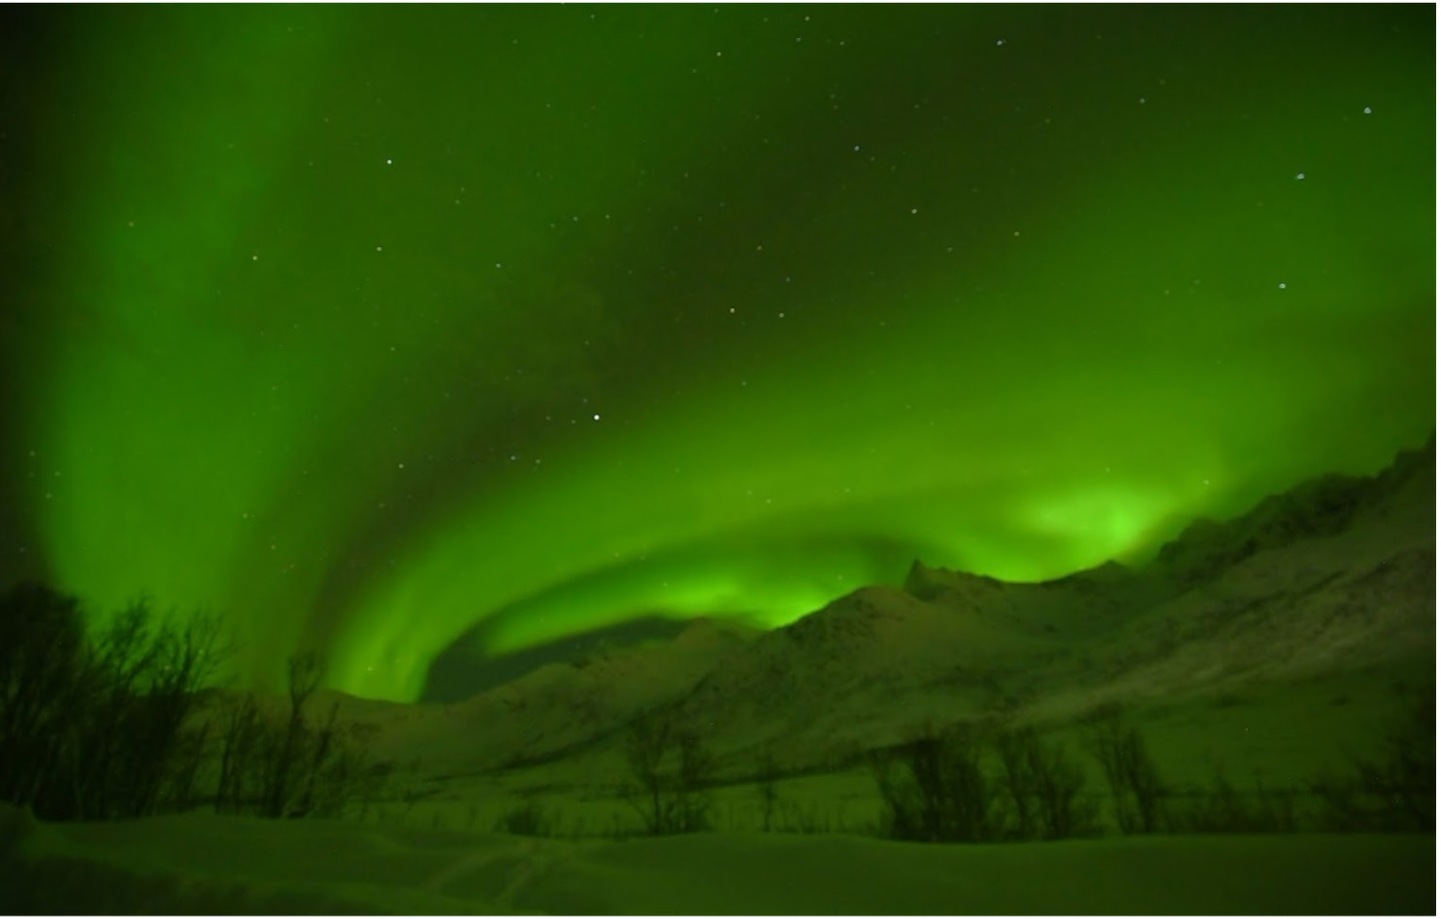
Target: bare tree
1018,777
646,741
325,742
691,805
97,730
941,793
303,678
669,800
42,647
1136,787
768,771
241,754
1057,781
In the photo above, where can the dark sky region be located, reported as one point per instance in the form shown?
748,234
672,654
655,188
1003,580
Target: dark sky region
378,328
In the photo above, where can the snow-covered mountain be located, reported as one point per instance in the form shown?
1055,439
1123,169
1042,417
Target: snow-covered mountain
555,709
1336,573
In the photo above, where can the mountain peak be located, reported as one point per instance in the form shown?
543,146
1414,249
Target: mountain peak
1317,508
926,583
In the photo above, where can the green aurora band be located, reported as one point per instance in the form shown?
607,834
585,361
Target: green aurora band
364,326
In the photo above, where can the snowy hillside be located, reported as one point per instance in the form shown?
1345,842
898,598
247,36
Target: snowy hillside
556,708
1335,574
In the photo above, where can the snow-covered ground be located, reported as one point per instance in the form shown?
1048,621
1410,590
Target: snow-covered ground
206,864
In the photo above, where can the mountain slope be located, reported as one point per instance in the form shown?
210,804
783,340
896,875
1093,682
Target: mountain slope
557,707
1336,573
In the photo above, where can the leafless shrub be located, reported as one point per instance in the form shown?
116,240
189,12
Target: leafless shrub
934,790
767,773
528,818
668,800
97,729
1044,786
1226,809
1396,791
1137,791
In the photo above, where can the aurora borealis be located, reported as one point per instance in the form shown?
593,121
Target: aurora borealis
367,326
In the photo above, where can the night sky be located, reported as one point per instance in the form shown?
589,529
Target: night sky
373,328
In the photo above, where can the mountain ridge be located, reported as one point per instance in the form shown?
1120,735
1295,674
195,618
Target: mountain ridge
1272,592
1337,572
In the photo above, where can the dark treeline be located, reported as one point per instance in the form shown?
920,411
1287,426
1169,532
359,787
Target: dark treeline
937,787
117,723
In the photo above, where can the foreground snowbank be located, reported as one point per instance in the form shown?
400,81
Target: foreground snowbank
206,864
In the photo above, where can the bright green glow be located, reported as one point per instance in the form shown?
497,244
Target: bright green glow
332,269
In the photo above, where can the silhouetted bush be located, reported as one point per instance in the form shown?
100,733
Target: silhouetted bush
529,818
110,726
1137,791
1226,809
98,730
809,819
293,768
42,658
767,772
646,741
934,790
668,800
1397,791
1044,786
302,679
692,805
349,773
1018,781
244,738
